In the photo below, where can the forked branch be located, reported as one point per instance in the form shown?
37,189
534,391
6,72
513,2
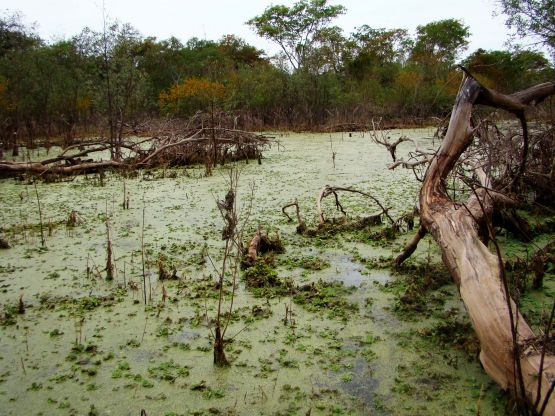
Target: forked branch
333,190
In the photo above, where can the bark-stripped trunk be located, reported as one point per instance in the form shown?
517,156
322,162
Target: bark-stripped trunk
474,268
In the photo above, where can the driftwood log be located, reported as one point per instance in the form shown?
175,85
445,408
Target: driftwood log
260,244
507,353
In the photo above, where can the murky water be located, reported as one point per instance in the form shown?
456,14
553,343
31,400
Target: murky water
158,357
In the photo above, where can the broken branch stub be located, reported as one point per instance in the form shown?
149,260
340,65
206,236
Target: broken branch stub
260,244
301,226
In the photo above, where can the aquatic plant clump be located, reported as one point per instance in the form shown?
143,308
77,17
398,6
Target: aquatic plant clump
328,297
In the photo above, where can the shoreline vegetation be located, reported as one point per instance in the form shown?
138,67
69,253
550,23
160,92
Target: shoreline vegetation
110,83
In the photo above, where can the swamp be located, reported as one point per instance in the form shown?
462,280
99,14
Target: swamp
342,223
328,326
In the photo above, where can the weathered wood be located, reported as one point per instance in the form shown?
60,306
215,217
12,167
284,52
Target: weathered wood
391,146
332,190
474,268
301,225
252,251
187,146
411,246
297,211
40,168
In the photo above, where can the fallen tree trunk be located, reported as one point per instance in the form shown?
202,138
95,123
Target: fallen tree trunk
40,168
186,147
501,329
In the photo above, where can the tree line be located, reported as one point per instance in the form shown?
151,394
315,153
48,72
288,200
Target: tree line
105,82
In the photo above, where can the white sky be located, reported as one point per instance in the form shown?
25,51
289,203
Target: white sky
211,19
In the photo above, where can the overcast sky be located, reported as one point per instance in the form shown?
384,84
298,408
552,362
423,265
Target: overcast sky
211,19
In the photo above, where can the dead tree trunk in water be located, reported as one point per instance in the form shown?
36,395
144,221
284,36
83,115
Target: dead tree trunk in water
501,329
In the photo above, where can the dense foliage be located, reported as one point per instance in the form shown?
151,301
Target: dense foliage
109,81
535,18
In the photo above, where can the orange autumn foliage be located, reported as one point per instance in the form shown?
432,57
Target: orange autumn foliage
197,91
5,103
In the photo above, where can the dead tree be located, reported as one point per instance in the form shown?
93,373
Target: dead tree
227,208
301,227
507,352
379,137
416,158
232,234
171,145
333,190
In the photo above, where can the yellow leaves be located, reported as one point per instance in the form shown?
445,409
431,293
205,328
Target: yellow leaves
200,88
191,95
450,84
83,103
486,81
5,102
408,79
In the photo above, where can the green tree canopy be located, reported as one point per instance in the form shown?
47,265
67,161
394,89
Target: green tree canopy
378,50
295,29
385,45
443,40
506,71
327,52
15,36
532,18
